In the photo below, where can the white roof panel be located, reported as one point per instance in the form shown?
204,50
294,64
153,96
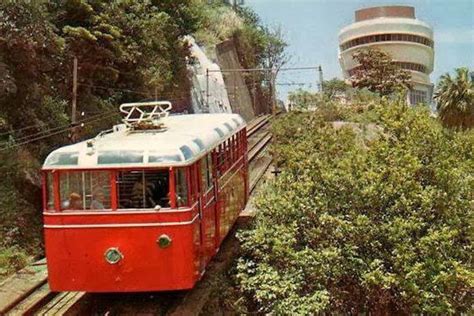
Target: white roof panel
184,139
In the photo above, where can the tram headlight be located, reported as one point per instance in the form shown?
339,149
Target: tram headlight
164,241
113,255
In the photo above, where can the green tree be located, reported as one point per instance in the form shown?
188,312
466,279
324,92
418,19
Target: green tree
455,99
127,45
302,99
364,218
30,55
260,46
127,51
334,87
274,54
377,72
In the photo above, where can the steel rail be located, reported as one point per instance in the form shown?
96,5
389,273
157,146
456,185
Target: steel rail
257,124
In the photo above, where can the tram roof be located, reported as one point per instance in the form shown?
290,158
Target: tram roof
184,139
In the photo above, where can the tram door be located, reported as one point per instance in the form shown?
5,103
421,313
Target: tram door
208,205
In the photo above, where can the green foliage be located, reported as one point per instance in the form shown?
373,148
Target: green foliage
12,259
131,45
455,99
257,46
274,56
338,98
380,227
378,73
219,23
127,50
334,87
304,100
19,191
329,109
30,51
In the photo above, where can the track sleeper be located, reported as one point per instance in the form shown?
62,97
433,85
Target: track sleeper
33,302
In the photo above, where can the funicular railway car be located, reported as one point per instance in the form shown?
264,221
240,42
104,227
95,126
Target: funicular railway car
145,206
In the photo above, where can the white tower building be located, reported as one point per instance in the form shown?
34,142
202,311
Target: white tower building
396,31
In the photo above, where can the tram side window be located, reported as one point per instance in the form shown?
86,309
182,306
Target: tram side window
181,187
209,169
143,189
49,191
206,169
221,160
85,190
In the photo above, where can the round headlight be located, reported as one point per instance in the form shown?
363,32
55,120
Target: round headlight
113,255
164,241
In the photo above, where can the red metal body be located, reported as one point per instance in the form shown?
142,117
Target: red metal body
76,241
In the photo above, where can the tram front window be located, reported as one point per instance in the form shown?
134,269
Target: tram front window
85,190
143,189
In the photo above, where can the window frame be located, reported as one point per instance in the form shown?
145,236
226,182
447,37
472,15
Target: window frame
171,187
386,37
114,198
57,190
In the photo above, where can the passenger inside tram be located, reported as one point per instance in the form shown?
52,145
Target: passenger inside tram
75,201
143,189
98,198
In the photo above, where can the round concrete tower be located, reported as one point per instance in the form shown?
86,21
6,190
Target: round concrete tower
394,30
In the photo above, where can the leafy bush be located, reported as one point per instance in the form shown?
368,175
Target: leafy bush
381,228
378,72
219,22
126,50
11,259
455,99
19,192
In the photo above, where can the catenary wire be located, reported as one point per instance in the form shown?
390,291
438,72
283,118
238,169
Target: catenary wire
53,132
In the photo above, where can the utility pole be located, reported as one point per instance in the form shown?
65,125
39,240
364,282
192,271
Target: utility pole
236,3
207,88
273,83
321,88
74,100
254,89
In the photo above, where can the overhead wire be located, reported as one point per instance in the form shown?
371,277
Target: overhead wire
22,129
114,89
63,126
57,131
39,125
60,129
147,94
45,136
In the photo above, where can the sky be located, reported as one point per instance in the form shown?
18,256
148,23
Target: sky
311,29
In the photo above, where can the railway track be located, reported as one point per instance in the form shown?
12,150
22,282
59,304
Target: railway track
27,292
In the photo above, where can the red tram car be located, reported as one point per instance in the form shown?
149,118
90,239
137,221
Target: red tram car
146,205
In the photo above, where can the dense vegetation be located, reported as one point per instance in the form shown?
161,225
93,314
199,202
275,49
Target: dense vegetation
455,100
377,72
127,50
371,216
